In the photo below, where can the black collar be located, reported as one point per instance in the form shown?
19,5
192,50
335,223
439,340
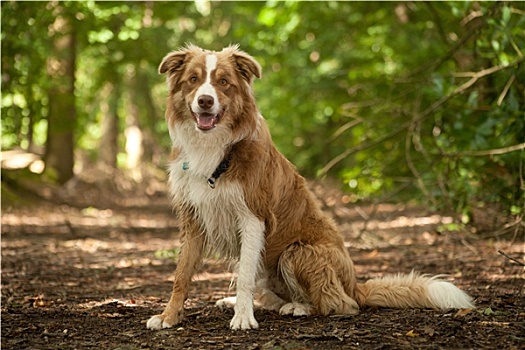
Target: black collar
221,169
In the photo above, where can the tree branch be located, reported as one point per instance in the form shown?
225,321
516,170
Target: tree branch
474,30
412,167
490,152
343,128
506,89
432,108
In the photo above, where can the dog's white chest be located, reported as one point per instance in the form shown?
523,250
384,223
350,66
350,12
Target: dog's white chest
220,211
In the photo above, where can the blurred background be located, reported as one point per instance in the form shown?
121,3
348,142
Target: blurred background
402,102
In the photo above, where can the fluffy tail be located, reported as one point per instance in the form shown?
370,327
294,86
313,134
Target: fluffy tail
412,291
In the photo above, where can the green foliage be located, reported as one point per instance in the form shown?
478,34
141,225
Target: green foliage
401,101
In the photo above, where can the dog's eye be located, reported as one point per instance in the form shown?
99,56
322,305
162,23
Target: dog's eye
193,79
223,82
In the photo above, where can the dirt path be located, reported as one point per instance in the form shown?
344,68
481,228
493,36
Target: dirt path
89,279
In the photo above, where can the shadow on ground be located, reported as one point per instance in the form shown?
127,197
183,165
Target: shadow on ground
81,277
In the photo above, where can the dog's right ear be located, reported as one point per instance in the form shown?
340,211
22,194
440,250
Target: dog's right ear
173,62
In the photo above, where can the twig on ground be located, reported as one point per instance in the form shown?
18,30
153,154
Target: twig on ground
511,258
197,313
508,228
470,247
367,218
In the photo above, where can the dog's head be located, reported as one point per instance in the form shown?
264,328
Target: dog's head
214,89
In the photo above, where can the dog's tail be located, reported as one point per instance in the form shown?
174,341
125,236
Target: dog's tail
412,291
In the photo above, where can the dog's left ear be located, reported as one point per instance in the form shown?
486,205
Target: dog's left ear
247,66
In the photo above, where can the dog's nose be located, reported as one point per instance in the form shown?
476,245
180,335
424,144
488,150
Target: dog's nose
206,101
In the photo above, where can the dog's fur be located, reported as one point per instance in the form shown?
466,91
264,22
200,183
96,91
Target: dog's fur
290,256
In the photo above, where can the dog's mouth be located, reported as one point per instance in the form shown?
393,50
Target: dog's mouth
206,121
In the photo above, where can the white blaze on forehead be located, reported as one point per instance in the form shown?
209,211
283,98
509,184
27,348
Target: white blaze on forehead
207,88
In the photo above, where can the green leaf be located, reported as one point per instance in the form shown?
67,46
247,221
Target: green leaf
487,311
505,14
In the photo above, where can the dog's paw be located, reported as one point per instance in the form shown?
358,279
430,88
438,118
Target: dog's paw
296,309
268,304
350,307
243,321
159,322
226,302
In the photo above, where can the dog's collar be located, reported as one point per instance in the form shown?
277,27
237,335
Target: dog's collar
221,169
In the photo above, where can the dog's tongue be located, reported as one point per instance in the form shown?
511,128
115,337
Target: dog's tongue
205,121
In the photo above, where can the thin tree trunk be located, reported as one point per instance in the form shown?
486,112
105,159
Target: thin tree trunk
133,132
151,149
59,156
110,126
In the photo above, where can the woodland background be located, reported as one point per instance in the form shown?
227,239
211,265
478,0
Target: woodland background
407,118
419,102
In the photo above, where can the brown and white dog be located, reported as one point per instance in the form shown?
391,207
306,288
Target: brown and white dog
237,196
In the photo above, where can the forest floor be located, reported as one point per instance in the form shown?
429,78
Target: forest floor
81,270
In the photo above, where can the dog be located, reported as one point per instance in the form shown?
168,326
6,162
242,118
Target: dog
237,196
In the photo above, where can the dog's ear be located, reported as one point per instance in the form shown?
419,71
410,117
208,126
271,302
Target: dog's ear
247,66
173,62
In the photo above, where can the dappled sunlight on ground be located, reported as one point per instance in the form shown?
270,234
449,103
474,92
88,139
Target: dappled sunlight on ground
85,219
111,269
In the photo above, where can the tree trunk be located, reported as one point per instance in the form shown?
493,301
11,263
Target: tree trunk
151,149
110,126
59,157
133,132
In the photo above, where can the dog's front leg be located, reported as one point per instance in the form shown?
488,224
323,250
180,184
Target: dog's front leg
190,257
252,243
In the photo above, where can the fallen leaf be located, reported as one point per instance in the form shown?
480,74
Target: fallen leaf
372,254
411,333
488,311
463,312
429,330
